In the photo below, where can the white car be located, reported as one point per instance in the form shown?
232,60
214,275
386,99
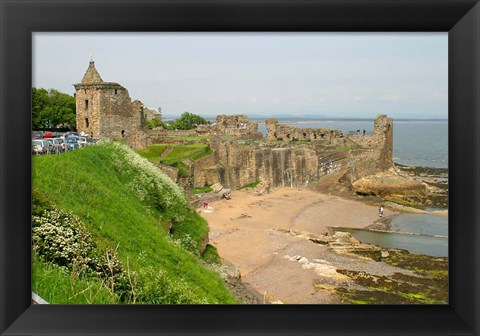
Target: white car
82,141
59,145
40,146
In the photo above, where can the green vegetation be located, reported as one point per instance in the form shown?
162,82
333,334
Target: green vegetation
400,201
52,109
153,152
59,285
188,121
191,138
210,255
154,123
121,208
201,190
177,155
429,287
300,142
250,185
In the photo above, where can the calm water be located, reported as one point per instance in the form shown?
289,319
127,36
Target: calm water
433,246
433,242
416,143
420,223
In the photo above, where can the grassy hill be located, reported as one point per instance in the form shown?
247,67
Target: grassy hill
109,227
176,155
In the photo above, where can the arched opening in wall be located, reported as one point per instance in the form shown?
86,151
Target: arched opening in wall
115,91
123,133
304,135
288,136
86,123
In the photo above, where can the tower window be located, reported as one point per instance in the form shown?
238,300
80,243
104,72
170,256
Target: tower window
86,122
86,104
115,91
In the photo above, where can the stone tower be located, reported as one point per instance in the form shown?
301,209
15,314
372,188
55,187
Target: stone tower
104,109
383,135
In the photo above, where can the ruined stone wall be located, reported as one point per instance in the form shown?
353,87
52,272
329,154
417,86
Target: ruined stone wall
104,110
236,165
120,116
137,140
171,172
283,165
281,132
237,126
205,171
376,155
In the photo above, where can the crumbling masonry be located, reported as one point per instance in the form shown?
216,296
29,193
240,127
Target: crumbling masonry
285,164
105,110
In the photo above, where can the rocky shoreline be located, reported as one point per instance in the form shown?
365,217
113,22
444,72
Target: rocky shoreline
325,268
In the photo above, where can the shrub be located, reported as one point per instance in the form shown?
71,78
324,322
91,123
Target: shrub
62,239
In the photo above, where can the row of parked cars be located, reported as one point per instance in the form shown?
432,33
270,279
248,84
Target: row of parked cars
58,142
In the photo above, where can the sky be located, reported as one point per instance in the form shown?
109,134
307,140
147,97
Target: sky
341,75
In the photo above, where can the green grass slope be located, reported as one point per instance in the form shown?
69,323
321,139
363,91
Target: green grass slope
127,206
178,154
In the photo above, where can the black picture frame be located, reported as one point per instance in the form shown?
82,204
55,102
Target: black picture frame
19,18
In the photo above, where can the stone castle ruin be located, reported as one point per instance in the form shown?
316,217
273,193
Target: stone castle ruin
105,110
285,164
289,157
237,126
281,132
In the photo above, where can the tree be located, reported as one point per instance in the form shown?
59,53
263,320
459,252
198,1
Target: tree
154,123
51,109
188,121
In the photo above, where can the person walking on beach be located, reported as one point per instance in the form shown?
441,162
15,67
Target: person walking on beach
380,211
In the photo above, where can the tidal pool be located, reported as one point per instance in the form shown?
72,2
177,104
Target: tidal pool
416,233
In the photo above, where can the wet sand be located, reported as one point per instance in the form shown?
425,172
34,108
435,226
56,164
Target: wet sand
282,267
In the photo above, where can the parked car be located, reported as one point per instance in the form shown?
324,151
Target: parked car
59,145
37,134
40,146
82,141
50,145
47,135
69,134
71,143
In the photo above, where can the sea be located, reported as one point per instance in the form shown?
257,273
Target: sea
422,143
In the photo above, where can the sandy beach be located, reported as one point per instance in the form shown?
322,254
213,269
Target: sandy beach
250,232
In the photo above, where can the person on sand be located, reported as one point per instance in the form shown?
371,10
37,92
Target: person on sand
380,211
205,205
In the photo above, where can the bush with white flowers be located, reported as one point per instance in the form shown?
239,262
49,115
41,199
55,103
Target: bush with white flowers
63,239
145,180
